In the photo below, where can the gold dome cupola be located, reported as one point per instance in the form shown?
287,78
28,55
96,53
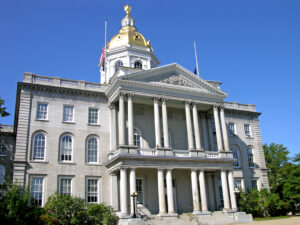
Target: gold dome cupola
128,34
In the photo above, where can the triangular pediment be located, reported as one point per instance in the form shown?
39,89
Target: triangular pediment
176,77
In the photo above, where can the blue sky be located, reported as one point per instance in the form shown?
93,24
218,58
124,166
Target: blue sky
252,46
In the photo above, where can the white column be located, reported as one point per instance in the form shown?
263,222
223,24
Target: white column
196,128
204,132
157,123
123,191
210,133
195,191
189,125
170,192
114,195
203,191
130,121
161,191
165,123
211,192
225,191
132,179
217,191
121,120
218,129
243,185
231,189
113,127
224,129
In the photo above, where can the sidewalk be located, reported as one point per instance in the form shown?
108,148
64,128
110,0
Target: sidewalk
288,221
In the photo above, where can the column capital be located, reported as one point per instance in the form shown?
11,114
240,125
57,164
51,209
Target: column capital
111,105
155,98
194,104
222,107
129,95
187,102
216,107
163,100
122,93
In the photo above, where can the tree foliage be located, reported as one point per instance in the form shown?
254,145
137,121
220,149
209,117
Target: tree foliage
17,207
3,111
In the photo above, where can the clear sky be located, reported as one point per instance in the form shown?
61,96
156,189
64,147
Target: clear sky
252,46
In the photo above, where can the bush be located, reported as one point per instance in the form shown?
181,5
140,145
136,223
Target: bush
101,214
17,207
262,203
65,209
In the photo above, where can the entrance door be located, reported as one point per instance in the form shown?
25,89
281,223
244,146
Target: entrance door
140,191
174,194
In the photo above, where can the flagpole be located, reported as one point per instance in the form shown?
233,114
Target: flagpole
105,33
197,66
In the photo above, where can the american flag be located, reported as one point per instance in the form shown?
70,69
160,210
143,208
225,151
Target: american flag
101,62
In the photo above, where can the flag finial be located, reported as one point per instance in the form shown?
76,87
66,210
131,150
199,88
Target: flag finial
127,9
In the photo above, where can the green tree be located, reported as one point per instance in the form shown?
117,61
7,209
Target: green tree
101,214
3,111
17,207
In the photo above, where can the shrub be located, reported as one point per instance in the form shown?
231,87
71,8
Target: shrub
101,214
65,209
17,207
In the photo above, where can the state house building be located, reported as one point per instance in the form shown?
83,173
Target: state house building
160,131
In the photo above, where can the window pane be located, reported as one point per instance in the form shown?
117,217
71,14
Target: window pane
138,65
66,148
235,154
68,114
93,116
65,186
247,129
250,157
139,191
92,146
37,189
231,129
238,184
92,190
42,111
137,138
254,184
39,144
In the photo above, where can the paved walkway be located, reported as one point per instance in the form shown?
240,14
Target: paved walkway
288,221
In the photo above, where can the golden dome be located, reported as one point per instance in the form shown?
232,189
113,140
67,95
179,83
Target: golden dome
128,34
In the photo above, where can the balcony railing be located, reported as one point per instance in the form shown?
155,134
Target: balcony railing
211,155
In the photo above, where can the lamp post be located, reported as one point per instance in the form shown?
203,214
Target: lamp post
134,195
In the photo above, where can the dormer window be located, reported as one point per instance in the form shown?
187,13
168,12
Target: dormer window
118,64
138,65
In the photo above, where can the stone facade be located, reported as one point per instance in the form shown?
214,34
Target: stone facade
161,132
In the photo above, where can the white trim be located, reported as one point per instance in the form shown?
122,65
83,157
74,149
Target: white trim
37,111
98,189
86,149
33,145
70,177
73,113
43,188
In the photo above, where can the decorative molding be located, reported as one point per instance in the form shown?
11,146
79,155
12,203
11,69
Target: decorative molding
177,80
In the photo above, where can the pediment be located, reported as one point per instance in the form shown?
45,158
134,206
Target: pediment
176,77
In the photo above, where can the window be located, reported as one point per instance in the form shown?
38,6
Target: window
139,191
118,64
137,138
39,146
235,154
138,65
247,130
42,111
2,174
66,148
238,184
92,190
65,185
231,129
37,188
254,184
68,115
250,157
93,116
92,150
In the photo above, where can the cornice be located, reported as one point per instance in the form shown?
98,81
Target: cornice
63,90
242,112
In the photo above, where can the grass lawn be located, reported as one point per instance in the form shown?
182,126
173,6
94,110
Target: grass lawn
270,218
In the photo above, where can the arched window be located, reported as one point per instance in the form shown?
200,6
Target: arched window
39,146
138,65
118,64
66,148
92,150
250,157
137,137
236,156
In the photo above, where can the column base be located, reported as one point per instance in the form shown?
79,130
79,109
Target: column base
164,151
167,215
196,153
126,149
